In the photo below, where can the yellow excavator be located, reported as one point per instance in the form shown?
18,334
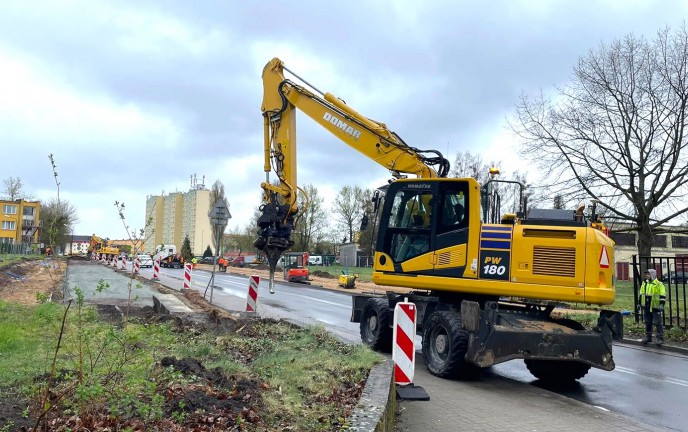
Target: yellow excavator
100,246
485,284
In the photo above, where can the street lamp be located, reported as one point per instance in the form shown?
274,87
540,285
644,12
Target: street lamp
219,216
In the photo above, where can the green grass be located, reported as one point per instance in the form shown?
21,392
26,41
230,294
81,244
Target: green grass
27,336
11,259
301,368
625,301
365,274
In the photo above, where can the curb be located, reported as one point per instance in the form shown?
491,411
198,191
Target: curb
376,407
665,347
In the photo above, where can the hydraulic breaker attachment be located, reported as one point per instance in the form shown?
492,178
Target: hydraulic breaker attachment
274,233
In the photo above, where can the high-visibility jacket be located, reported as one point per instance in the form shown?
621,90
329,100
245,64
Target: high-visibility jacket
652,291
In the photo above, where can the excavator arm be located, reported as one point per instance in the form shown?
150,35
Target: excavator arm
281,98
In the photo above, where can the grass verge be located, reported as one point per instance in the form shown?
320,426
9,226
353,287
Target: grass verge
175,375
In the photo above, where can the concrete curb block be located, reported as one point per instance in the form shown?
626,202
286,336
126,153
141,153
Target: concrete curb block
158,307
376,407
638,343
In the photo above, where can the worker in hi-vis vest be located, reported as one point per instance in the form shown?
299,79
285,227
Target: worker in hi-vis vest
652,298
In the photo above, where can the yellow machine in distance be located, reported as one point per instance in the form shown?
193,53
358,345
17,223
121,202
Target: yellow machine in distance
100,246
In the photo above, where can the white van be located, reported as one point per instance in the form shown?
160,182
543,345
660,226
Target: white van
315,260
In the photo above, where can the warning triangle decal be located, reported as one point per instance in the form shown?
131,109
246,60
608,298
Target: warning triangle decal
604,258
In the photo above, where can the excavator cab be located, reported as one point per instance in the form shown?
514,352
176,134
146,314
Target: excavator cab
422,220
295,267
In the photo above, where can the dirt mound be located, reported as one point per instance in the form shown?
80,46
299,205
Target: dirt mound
323,274
191,366
25,280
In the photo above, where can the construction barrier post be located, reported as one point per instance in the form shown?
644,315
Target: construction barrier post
187,276
252,298
137,265
156,269
124,262
114,262
404,334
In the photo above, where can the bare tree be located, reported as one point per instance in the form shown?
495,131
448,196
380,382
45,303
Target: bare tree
467,164
347,207
217,193
367,235
313,220
14,189
240,239
616,133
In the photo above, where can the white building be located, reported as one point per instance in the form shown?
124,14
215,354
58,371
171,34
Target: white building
77,245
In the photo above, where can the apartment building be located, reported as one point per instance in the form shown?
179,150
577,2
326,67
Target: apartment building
176,215
20,221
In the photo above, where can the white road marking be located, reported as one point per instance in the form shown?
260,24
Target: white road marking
602,408
676,381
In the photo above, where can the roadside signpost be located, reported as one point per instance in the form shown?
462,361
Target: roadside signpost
219,216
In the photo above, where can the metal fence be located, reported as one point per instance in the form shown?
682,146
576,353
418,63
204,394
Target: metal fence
673,272
19,249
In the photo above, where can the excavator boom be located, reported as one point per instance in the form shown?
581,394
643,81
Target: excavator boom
281,98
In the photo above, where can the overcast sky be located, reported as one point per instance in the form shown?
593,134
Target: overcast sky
133,97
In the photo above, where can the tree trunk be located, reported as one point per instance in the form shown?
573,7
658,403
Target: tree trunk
645,239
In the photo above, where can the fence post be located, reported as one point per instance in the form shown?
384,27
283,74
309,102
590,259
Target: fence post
635,289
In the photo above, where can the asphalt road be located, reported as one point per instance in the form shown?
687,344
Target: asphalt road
648,384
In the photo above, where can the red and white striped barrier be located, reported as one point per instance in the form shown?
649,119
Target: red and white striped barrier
102,258
187,276
124,262
404,334
156,269
252,298
137,265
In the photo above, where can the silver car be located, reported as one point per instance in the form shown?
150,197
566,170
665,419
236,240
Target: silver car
145,260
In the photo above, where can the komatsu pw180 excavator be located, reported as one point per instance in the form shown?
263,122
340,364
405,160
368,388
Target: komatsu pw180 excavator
484,284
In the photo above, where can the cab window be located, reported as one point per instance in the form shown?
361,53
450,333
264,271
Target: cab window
411,209
453,207
410,224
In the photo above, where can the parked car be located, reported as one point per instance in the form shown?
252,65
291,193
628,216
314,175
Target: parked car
144,260
207,260
678,277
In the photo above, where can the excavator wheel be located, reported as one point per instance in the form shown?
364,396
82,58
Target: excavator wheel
445,344
376,325
557,372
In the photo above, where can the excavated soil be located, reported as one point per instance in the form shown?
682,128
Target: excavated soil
20,282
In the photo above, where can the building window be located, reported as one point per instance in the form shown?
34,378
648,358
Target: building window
8,225
659,241
29,211
6,240
679,241
623,239
9,209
